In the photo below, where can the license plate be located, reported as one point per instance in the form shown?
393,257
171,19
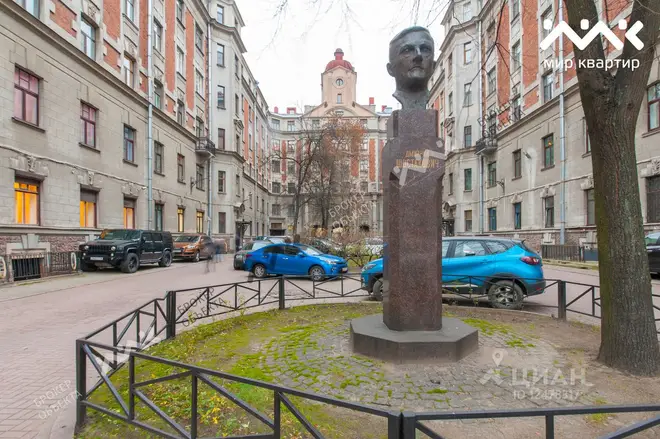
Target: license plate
344,270
177,251
96,258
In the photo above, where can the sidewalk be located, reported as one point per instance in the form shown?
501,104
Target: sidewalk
572,264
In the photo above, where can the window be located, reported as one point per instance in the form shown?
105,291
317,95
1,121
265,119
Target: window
277,210
291,125
469,248
517,216
291,168
467,53
236,66
199,221
263,204
129,9
653,95
549,207
179,61
591,207
467,179
364,187
238,185
88,125
291,210
516,108
277,188
276,124
220,15
492,81
515,9
129,144
653,199
467,95
222,222
237,105
179,16
158,216
180,168
467,10
199,38
221,55
180,113
492,219
365,145
222,179
291,188
517,164
88,38
364,165
158,157
316,124
548,151
199,177
450,102
221,139
492,174
339,98
450,65
467,214
180,217
129,71
158,36
199,82
129,213
451,183
276,166
515,56
158,95
339,82
26,195
548,83
32,6
467,136
547,15
26,97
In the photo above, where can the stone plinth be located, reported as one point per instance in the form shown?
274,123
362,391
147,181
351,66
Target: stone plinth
412,168
371,337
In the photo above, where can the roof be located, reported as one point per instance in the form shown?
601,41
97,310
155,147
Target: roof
339,61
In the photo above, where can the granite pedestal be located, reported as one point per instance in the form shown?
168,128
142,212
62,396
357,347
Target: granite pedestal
371,337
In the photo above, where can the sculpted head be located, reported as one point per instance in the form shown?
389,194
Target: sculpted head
411,59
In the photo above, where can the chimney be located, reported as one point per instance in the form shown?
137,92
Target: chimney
382,108
291,110
277,110
371,101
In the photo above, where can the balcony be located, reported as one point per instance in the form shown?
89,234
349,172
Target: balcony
205,147
486,145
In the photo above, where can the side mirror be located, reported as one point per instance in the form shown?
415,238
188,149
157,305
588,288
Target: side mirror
469,253
143,239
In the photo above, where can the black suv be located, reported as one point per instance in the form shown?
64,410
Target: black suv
127,249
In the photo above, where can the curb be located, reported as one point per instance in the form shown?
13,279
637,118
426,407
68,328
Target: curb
571,264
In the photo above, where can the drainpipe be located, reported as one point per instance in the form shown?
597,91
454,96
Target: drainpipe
150,116
481,194
209,201
481,118
562,135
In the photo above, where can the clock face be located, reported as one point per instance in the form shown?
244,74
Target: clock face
339,82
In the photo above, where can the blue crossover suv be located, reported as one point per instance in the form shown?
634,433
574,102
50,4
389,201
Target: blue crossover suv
295,260
505,270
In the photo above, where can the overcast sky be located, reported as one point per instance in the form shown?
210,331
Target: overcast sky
288,57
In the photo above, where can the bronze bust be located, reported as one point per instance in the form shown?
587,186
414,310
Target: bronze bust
411,65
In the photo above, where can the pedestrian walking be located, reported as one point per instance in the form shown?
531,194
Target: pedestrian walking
222,249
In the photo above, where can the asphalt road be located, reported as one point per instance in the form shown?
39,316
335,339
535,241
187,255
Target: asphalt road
41,321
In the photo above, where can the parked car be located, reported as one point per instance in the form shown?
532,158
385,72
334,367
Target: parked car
374,246
193,246
653,251
127,250
239,257
293,259
482,266
325,245
273,239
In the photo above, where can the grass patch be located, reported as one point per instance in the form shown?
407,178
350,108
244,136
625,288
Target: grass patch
437,391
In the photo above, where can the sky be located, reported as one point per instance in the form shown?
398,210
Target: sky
287,54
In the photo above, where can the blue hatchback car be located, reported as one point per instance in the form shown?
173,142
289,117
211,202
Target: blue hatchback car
293,260
484,266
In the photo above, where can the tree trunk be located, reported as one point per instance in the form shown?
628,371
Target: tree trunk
611,104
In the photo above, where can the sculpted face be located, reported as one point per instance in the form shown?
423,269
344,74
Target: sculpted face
411,61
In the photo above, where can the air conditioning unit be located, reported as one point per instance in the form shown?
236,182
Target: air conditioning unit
374,187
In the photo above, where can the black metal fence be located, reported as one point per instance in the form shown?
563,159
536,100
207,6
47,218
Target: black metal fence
35,265
108,349
563,252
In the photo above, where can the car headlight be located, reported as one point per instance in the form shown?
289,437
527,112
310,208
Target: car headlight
113,248
368,267
86,247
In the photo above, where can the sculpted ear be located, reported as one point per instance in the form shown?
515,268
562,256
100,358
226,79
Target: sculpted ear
389,69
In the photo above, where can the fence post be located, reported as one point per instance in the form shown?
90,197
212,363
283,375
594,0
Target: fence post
394,425
281,293
81,385
408,421
561,300
170,310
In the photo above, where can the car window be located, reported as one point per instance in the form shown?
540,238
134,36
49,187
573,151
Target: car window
258,245
248,246
147,237
157,237
467,248
445,248
496,247
309,250
652,239
291,250
279,249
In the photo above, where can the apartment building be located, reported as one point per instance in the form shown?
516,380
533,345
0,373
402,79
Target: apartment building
361,182
506,179
77,122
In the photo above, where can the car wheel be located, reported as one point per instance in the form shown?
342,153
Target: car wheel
196,257
130,264
88,267
317,273
377,291
259,271
505,294
165,260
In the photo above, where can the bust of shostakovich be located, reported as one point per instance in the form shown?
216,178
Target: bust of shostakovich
411,65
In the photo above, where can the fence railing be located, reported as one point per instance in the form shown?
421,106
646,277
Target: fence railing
35,265
109,348
562,252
